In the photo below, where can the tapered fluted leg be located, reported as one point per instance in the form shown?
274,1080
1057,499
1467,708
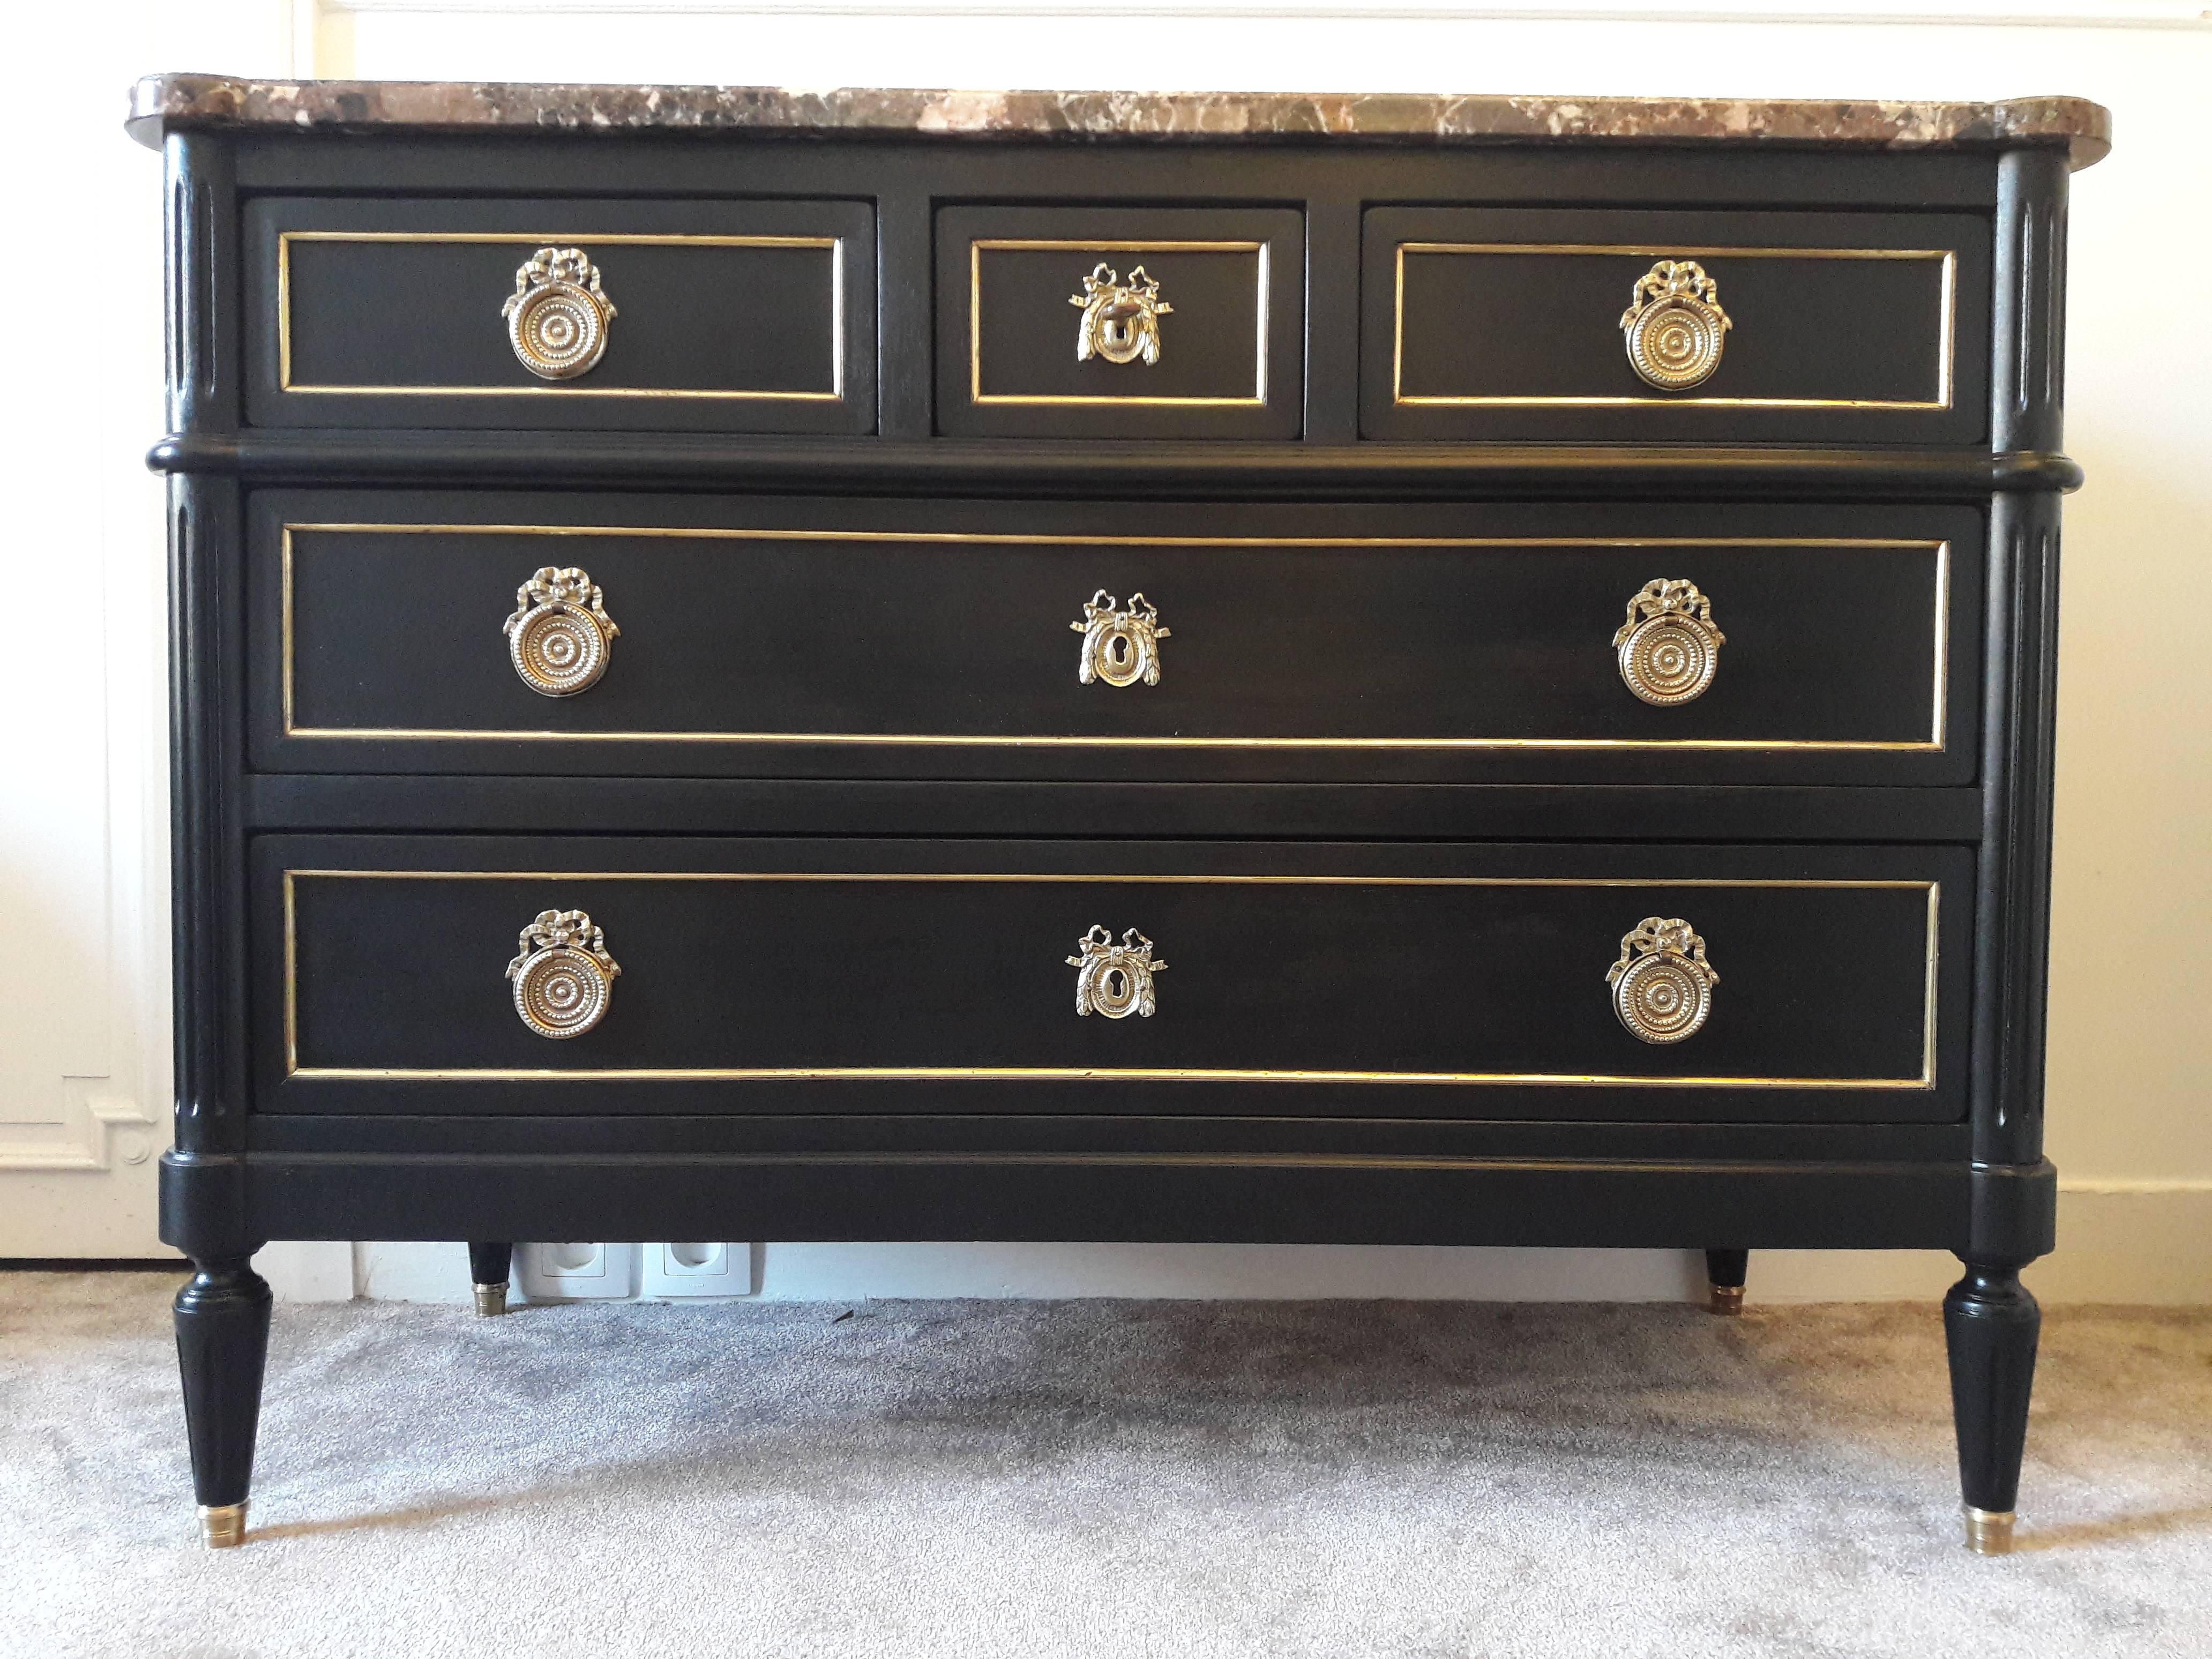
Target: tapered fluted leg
223,1347
1724,1275
1989,1327
488,1265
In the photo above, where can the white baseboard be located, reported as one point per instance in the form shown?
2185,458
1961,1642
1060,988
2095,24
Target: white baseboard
840,1272
310,1270
2134,1240
2137,1241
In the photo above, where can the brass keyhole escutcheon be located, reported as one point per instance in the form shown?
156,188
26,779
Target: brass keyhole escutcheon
1120,646
1121,320
1114,980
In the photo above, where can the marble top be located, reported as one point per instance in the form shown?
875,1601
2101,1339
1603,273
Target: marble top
165,103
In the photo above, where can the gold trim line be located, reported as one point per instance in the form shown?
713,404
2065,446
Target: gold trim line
1946,346
1095,1073
836,245
1925,1082
1934,744
976,249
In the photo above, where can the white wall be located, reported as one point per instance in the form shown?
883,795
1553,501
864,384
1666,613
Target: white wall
84,1064
2129,1124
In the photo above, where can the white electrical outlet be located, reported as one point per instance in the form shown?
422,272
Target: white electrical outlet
565,1273
696,1270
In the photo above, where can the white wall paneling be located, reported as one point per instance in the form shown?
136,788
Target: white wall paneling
84,1067
1817,48
2022,14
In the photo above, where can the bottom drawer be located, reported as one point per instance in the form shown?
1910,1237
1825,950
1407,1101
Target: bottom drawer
422,975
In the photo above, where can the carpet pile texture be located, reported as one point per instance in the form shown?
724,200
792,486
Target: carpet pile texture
1167,1479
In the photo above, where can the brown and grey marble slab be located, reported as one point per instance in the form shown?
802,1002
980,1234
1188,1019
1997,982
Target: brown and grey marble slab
165,103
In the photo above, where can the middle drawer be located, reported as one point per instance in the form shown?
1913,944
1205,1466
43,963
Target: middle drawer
684,636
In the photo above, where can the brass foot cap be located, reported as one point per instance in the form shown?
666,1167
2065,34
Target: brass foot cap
223,1525
1725,1299
1989,1532
491,1301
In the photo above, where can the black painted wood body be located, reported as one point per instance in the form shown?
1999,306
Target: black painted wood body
1467,938
223,1347
490,1261
1991,1325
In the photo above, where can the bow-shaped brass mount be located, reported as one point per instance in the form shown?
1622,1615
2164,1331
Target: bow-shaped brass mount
1675,324
1669,647
1662,986
562,976
1121,320
1114,980
560,636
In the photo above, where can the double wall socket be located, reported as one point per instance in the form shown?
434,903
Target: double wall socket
572,1272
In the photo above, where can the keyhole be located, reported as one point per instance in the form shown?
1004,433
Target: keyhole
1118,333
1117,984
1118,649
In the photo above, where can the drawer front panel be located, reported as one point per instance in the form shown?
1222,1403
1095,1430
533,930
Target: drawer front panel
1463,982
1162,322
1683,645
1655,326
738,316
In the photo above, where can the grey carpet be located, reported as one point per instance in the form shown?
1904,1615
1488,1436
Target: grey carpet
1096,1479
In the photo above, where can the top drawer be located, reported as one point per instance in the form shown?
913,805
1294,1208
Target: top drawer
724,316
1653,327
1119,322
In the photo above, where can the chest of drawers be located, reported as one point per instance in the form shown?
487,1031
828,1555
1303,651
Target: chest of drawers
904,666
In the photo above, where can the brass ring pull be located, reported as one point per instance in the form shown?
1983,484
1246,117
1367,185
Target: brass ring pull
563,977
557,316
560,634
1119,647
1662,986
1121,320
1114,980
1669,647
1675,324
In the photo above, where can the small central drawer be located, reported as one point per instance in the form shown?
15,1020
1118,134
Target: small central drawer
678,637
1119,322
740,316
404,974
